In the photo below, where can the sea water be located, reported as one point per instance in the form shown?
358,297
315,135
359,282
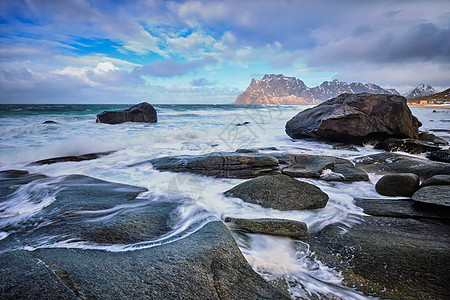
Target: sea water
187,130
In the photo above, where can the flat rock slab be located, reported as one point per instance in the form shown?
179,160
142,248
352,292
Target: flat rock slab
440,155
315,166
76,158
220,164
280,192
400,208
433,194
389,258
412,146
279,227
206,264
388,163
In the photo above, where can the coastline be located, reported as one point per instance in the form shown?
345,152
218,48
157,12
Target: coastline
446,106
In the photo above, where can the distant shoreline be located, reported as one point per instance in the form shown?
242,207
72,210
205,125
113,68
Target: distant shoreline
446,106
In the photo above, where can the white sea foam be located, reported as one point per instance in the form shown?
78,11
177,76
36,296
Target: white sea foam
184,131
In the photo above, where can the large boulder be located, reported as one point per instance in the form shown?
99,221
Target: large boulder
220,164
404,184
356,118
91,215
388,163
279,227
142,112
280,192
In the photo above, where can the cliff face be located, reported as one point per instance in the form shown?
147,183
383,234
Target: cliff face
279,89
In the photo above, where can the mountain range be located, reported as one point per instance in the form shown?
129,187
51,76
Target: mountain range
280,89
421,90
437,98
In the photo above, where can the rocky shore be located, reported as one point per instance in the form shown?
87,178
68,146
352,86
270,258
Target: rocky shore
398,249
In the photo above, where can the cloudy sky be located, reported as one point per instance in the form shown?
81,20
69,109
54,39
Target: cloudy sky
98,51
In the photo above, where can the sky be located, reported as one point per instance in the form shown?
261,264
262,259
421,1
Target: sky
99,51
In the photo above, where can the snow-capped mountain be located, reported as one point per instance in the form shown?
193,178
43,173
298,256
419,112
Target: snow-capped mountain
420,91
279,89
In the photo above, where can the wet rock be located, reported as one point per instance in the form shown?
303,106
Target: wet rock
279,227
430,137
407,145
440,155
400,208
345,147
220,164
206,264
76,158
241,124
50,122
142,112
280,192
403,184
433,194
356,118
316,166
388,163
389,258
246,151
436,180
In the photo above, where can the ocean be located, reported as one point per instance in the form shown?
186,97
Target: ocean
190,130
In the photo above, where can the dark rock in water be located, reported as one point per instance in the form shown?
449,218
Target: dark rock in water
11,174
82,157
388,163
356,118
345,147
407,145
389,258
240,124
400,208
429,137
280,192
316,166
433,194
206,264
436,180
142,112
403,184
50,122
279,227
246,151
219,164
440,155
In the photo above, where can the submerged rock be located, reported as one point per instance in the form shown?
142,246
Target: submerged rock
356,118
280,192
142,112
50,122
82,157
320,167
279,227
388,163
220,164
206,264
430,137
403,184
